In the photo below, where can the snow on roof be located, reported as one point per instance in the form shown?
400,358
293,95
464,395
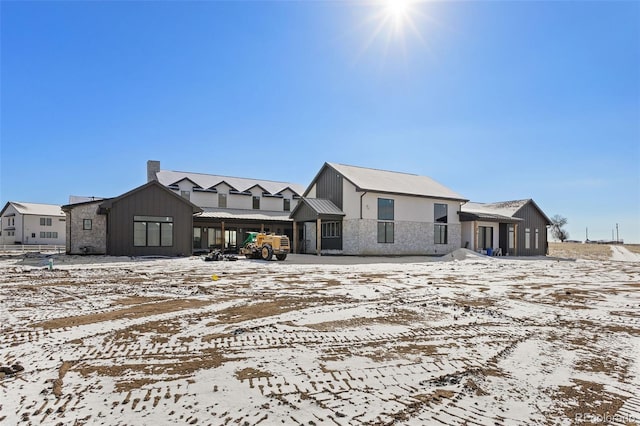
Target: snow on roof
395,182
36,209
261,215
169,177
502,208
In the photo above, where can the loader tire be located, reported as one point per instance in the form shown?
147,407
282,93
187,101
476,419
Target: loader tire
281,256
266,253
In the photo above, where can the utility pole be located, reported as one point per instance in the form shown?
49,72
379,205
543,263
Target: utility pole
586,230
617,234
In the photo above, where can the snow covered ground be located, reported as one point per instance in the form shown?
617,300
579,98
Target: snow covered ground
465,339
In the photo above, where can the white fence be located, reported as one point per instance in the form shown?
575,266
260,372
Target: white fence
17,248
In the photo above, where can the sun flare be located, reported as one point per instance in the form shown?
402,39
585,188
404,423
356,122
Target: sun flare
398,12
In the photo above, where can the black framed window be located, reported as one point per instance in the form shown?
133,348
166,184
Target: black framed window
256,202
331,229
385,232
485,237
222,201
439,234
287,204
440,213
87,224
385,209
152,231
45,221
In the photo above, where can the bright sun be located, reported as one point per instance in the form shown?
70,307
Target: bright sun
397,11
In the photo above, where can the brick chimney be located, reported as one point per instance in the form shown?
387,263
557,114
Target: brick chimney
153,167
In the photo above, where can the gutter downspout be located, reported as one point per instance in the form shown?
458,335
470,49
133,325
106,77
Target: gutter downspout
363,194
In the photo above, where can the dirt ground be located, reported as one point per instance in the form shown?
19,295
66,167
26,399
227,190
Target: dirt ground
182,341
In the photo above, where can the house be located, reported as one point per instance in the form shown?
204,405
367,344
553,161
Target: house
516,228
148,220
360,211
32,223
231,206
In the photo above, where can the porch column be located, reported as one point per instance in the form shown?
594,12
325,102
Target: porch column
475,235
262,228
295,236
224,237
318,236
515,239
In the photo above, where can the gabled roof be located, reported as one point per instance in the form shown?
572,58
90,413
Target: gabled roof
314,208
374,180
34,209
169,177
109,202
503,208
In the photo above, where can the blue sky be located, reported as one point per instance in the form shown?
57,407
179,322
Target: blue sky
497,100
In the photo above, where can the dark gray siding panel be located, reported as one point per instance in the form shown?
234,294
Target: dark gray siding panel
329,186
532,220
151,201
305,213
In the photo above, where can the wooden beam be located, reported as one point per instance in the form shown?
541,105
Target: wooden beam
295,237
318,236
224,237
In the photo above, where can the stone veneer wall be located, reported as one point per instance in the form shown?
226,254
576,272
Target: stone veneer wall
95,238
360,237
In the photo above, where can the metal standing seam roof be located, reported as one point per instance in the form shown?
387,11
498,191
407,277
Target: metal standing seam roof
503,208
36,209
395,182
241,214
206,181
323,207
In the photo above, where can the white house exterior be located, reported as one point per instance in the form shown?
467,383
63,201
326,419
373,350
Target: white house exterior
362,211
31,223
232,206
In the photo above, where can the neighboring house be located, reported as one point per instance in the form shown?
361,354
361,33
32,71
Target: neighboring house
149,220
516,228
231,206
32,223
359,211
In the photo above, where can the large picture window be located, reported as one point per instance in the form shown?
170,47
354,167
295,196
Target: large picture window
152,231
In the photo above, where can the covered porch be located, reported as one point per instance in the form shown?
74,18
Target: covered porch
317,227
491,234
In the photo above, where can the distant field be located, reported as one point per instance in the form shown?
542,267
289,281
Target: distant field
635,248
582,251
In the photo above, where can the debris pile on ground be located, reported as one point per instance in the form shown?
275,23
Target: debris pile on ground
462,254
217,255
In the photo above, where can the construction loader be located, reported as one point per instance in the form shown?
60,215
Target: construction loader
259,245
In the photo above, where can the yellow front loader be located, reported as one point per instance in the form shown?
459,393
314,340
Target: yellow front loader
259,245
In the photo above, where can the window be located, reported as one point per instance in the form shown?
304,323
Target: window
185,194
385,209
537,239
214,237
256,202
485,237
87,224
197,238
440,213
287,205
385,232
45,221
527,238
48,234
440,234
222,201
33,235
512,237
152,231
331,229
